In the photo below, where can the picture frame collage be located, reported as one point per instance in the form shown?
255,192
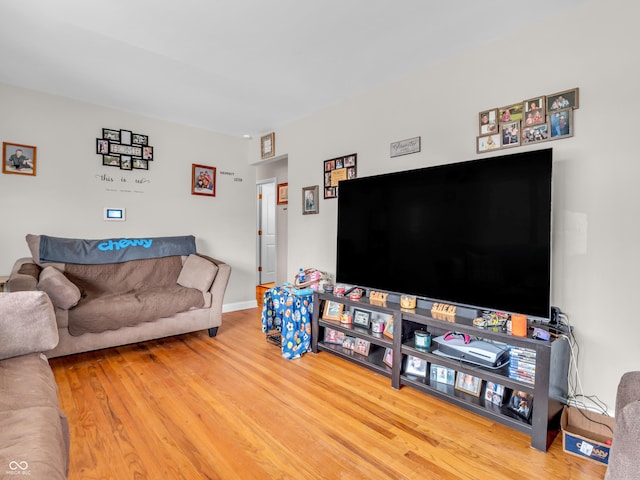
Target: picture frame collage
124,149
536,120
336,170
493,394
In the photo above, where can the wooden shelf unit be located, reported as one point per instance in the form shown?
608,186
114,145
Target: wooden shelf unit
551,367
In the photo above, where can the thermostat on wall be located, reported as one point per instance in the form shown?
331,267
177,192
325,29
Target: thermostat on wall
115,214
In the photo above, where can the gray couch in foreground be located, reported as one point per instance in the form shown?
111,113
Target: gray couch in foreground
624,459
34,434
101,306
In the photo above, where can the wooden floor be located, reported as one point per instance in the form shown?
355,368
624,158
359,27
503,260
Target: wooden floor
230,407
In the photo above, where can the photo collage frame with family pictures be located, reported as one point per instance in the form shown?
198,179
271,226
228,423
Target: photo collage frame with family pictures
124,149
538,119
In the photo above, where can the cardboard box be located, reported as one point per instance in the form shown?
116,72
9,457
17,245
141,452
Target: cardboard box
585,433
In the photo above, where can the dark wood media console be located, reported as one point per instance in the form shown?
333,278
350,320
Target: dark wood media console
551,362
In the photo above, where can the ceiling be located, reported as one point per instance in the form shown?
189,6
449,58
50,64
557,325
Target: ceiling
240,66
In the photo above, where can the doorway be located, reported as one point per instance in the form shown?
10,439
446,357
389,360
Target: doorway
267,239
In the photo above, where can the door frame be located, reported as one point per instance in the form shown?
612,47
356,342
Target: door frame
259,184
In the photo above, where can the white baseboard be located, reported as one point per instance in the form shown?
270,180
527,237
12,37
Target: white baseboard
232,307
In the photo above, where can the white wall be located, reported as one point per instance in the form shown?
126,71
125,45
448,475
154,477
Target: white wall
67,196
596,199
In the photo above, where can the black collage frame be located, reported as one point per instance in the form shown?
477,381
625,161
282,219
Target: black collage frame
124,149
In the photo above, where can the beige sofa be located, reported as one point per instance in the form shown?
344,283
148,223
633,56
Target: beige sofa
100,306
34,434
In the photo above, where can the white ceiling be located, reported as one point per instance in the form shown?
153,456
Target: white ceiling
241,66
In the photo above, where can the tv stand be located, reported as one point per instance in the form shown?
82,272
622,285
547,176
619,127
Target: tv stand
551,362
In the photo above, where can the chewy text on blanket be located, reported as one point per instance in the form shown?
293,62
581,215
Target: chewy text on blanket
124,243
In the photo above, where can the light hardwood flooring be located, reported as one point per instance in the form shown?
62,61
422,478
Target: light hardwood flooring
230,407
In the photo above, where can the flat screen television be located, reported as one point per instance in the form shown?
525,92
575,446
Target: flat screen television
475,233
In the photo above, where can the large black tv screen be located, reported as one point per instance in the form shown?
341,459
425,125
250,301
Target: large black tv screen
474,233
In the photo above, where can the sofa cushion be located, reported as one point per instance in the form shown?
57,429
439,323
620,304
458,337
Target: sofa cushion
33,444
63,293
114,311
27,324
27,381
33,242
197,272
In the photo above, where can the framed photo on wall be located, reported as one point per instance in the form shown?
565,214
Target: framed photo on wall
283,193
488,121
203,180
310,200
561,123
19,159
268,145
562,100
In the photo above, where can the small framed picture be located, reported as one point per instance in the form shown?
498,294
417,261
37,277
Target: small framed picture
333,336
488,121
20,159
140,164
522,404
125,137
102,146
535,105
510,113
388,325
349,342
388,357
535,117
415,366
510,134
486,143
468,384
109,134
268,145
310,200
361,317
562,100
203,180
535,134
111,160
283,193
332,310
147,153
362,347
494,393
125,162
442,374
139,139
561,122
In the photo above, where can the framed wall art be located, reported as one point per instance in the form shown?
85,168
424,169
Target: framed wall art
535,134
310,200
562,100
510,134
488,121
486,143
561,123
268,145
283,194
124,149
336,170
18,159
203,180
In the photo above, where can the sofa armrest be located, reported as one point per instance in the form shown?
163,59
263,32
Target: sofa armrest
19,281
624,458
628,390
27,324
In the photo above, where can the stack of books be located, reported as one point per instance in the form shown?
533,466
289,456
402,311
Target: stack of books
522,365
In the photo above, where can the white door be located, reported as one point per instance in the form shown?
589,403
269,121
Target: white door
267,232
